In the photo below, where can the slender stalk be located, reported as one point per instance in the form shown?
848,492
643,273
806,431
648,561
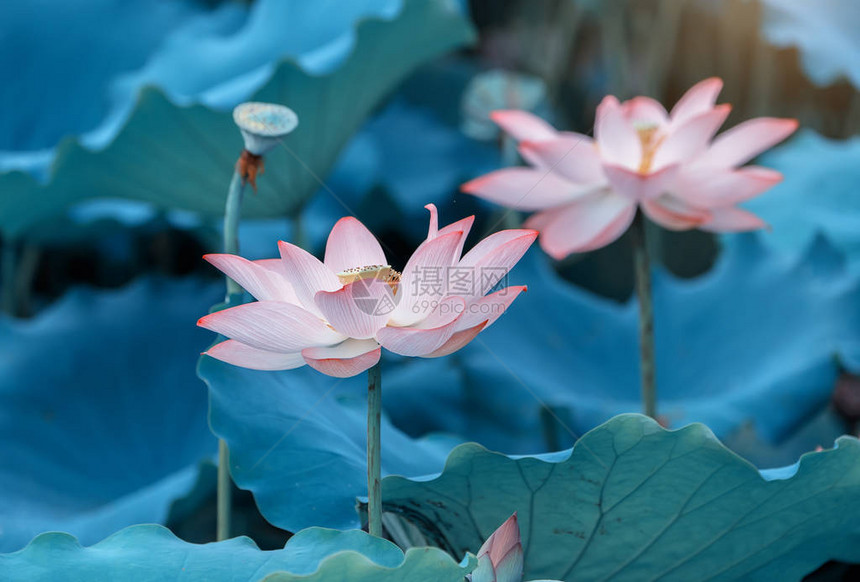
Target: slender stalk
510,158
642,271
225,493
232,215
374,480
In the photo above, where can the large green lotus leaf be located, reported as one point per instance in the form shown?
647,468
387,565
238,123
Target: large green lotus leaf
182,157
297,438
151,552
102,420
633,501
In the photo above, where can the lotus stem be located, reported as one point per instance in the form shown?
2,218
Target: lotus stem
642,275
374,478
510,158
232,215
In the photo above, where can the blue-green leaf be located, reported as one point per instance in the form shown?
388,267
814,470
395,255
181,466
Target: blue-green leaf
62,79
824,34
102,420
817,196
297,438
150,552
756,342
182,157
633,501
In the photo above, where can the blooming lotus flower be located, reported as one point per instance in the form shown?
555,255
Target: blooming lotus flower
670,165
337,314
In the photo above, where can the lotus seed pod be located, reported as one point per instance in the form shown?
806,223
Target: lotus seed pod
263,124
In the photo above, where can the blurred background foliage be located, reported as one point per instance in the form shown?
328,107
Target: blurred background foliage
577,50
412,136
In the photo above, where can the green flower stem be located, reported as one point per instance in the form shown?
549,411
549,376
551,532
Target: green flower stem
374,479
232,215
225,485
642,270
510,158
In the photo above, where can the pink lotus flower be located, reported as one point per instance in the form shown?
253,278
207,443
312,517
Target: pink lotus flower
336,315
500,559
586,191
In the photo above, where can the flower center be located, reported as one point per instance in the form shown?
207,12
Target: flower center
379,272
650,143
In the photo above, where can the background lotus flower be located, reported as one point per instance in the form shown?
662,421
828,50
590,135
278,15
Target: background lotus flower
335,315
669,164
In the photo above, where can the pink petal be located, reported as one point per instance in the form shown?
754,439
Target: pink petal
645,111
730,219
271,325
276,265
673,213
459,340
524,188
307,275
697,100
264,284
489,261
359,309
351,245
239,354
528,152
344,360
426,336
747,140
464,225
636,186
617,140
575,159
511,565
584,225
488,309
503,542
423,278
690,138
713,189
523,125
433,229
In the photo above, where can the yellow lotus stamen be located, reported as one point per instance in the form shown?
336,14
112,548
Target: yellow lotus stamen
647,135
379,272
